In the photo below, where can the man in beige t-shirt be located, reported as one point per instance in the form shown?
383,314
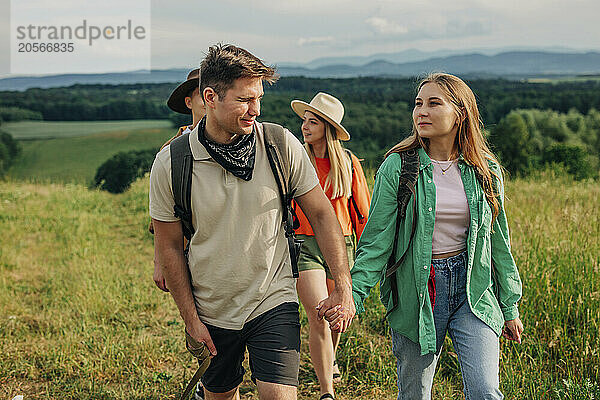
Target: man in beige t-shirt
239,291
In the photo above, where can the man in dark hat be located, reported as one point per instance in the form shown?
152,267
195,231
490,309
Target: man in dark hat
185,99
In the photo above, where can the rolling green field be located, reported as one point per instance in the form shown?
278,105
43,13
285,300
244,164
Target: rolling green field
80,316
76,159
62,129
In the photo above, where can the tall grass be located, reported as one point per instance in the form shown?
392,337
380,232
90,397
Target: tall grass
80,316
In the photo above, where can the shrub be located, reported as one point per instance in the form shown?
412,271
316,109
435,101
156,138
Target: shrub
180,119
574,158
514,143
117,173
9,150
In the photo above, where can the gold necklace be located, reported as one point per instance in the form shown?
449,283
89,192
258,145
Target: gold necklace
442,168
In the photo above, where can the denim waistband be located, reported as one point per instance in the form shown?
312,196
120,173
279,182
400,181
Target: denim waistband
460,258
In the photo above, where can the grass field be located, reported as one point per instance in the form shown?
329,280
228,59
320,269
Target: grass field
80,316
62,129
76,159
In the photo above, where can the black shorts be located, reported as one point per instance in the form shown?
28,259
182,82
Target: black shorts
273,342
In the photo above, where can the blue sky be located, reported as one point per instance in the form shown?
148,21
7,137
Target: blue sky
300,31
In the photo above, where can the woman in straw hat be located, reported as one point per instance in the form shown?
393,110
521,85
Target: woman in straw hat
343,181
457,275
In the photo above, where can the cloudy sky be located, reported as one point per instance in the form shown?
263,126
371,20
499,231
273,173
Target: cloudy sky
300,31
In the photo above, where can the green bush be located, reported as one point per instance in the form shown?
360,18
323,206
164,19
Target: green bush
117,173
9,150
179,120
515,144
526,140
574,158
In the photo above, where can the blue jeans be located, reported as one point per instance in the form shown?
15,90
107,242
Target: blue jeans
476,344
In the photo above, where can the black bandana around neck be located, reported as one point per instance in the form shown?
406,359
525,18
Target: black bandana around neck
237,158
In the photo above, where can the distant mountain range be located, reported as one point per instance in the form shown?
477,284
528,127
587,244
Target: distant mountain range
412,55
510,64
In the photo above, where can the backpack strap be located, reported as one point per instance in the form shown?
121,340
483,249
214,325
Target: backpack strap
351,200
277,154
181,181
409,174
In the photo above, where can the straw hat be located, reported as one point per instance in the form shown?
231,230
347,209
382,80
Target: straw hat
176,101
327,107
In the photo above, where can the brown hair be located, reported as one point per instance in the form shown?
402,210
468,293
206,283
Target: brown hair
224,64
469,141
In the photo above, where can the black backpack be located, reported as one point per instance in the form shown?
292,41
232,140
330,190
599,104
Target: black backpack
409,173
276,146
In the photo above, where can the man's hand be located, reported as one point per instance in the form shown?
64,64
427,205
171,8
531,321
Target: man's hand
513,329
338,309
199,332
158,277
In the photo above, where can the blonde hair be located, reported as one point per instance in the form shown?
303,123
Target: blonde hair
339,177
469,141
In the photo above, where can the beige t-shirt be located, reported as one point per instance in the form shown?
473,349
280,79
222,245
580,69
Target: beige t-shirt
239,259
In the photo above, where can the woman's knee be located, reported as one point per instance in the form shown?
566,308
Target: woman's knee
315,323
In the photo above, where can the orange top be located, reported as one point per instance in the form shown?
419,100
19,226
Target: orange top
348,218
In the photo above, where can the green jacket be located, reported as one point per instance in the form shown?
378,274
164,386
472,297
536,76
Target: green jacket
493,283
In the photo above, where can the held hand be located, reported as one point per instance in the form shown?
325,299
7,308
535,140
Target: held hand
159,278
513,329
199,332
338,308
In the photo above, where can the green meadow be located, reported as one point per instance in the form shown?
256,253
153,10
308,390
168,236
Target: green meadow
71,152
61,129
81,318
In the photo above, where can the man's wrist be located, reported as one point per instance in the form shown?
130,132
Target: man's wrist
344,285
191,319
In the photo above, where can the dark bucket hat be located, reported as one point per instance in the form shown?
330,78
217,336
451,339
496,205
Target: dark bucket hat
176,101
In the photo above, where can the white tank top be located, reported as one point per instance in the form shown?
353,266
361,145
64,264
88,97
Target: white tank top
451,209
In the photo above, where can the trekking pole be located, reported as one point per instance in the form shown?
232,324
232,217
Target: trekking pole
200,352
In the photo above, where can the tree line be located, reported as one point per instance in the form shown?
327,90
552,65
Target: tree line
497,97
524,140
529,124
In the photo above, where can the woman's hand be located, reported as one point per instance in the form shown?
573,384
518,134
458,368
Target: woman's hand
338,309
513,329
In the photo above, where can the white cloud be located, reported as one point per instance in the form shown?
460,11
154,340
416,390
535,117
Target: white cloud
385,27
321,40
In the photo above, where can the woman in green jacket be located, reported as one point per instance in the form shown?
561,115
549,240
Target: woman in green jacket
458,275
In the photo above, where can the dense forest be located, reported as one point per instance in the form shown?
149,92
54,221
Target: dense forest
528,124
497,97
